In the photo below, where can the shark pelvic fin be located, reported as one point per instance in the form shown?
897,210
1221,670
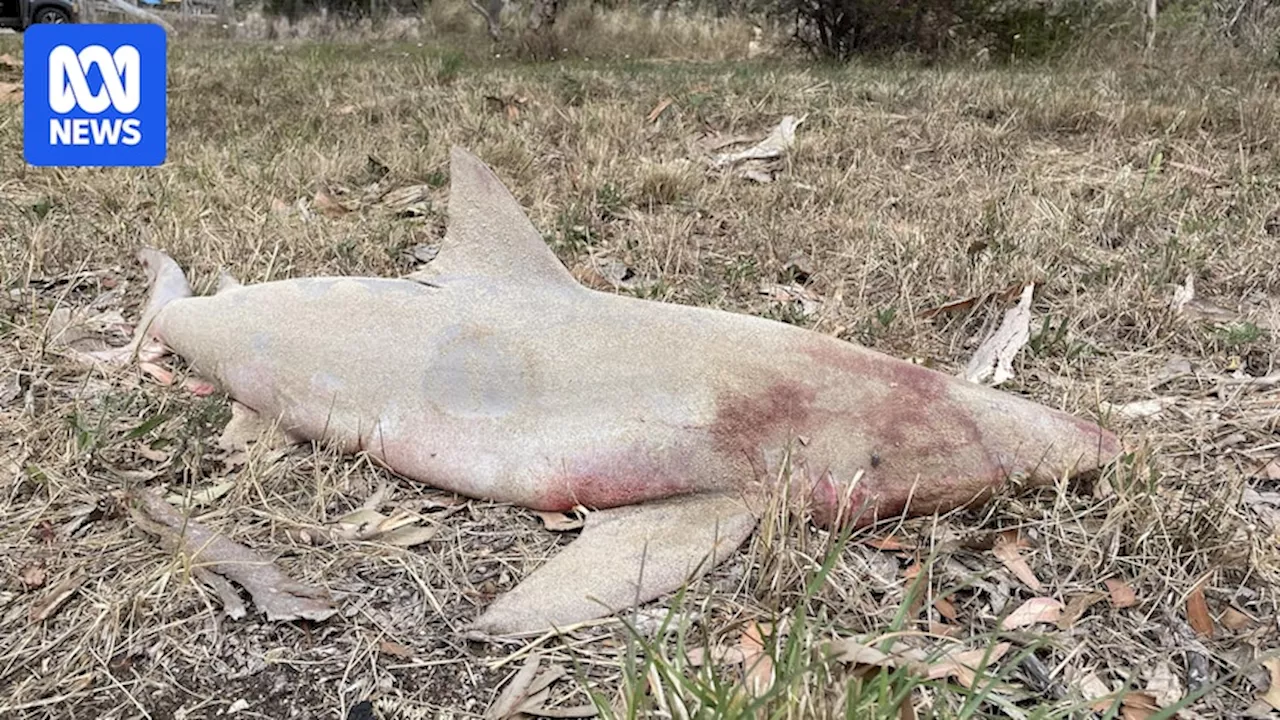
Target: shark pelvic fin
226,281
488,232
625,556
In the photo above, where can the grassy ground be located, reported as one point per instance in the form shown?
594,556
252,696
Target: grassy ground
1108,184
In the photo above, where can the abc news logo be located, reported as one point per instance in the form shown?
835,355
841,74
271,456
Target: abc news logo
105,103
69,89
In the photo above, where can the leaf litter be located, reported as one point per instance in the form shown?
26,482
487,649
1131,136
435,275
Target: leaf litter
1035,610
529,693
1007,549
55,598
400,529
1198,612
762,162
992,362
274,593
963,665
1121,593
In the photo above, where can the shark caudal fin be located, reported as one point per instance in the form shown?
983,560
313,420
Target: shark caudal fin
167,283
625,556
488,232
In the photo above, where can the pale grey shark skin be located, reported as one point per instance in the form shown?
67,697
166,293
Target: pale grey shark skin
497,376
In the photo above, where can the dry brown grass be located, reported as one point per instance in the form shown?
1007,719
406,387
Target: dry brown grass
909,187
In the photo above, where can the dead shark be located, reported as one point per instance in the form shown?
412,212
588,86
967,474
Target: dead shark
495,375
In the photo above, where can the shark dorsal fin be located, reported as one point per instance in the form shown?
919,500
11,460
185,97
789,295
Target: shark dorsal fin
488,232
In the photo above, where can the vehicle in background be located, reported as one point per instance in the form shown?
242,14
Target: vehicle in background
20,14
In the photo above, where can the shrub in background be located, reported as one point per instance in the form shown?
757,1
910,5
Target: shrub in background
1007,29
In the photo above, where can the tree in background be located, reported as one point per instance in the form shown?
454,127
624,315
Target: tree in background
542,15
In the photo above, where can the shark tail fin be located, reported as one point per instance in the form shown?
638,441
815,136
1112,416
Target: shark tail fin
167,283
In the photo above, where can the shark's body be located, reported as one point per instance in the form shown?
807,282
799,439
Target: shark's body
497,376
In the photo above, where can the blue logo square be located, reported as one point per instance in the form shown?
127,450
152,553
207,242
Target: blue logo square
94,95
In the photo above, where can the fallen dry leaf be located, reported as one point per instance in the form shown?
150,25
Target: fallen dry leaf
1183,294
32,576
506,105
1092,688
944,629
658,109
756,661
10,92
558,521
55,598
1198,612
601,272
10,387
10,60
719,655
778,142
1272,695
1035,610
1186,304
760,161
1122,596
79,330
407,536
969,303
274,593
201,497
964,666
852,650
992,362
805,299
516,691
232,604
1006,551
409,200
1233,619
1143,408
1270,471
1164,686
1076,608
528,693
1266,505
156,456
399,529
889,544
945,608
330,206
395,649
563,711
1133,706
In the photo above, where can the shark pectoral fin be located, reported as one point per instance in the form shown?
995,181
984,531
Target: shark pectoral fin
624,557
488,232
